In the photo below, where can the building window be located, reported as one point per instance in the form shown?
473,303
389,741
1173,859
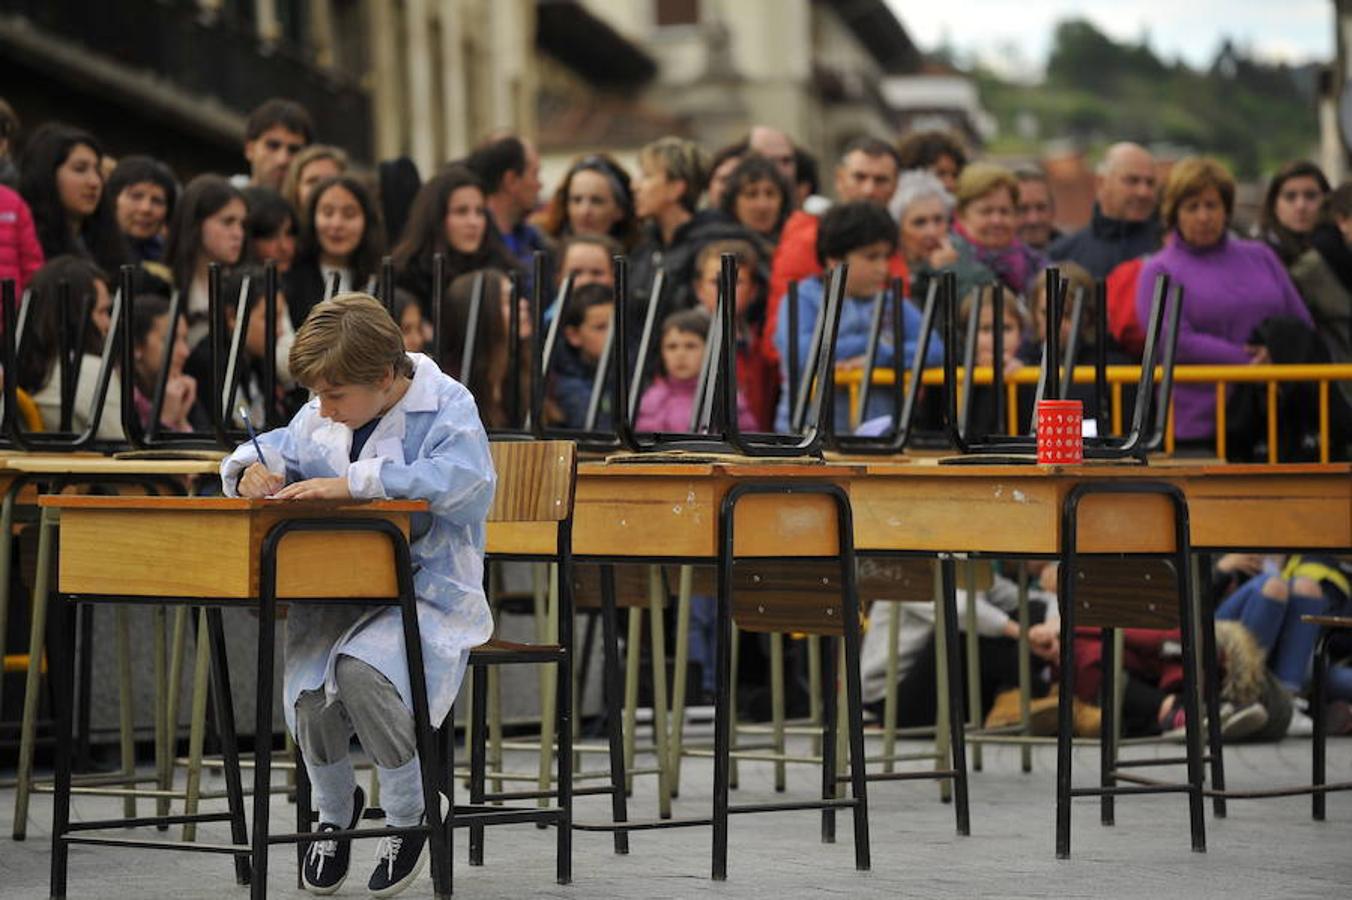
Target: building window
677,12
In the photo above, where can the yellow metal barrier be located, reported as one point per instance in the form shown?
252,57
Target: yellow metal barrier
1221,376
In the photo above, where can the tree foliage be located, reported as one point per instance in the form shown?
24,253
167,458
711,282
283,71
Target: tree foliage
1254,114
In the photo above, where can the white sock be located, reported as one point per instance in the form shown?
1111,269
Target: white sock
401,793
331,786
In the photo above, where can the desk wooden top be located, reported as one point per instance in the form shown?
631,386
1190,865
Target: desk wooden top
670,509
229,504
1017,509
95,464
210,547
668,466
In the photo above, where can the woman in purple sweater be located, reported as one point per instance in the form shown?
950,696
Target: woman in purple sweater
1230,286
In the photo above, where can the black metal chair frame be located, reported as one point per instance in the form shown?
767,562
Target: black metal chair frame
222,385
904,399
1108,788
1139,441
956,699
15,436
250,852
725,434
544,342
1319,786
722,809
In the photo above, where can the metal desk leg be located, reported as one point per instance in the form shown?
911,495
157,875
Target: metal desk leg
610,641
734,665
830,742
1320,737
1065,728
633,646
679,677
890,685
197,725
126,719
6,568
943,730
948,574
1025,671
657,632
1210,678
163,752
1108,725
777,706
28,728
725,701
224,706
973,673
63,695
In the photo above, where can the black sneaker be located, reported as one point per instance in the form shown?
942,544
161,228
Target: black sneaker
399,859
326,862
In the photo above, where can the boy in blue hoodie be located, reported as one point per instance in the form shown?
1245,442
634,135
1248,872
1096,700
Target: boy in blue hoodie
863,236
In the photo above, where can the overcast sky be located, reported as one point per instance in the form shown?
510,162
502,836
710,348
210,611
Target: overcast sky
1015,35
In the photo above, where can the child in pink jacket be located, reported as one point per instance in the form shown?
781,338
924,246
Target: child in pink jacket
669,400
20,252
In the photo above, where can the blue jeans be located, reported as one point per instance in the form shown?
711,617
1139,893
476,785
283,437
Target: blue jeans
1276,625
703,630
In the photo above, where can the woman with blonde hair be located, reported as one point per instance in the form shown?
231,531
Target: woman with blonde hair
985,234
311,166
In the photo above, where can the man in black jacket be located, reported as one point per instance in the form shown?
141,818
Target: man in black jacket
1124,225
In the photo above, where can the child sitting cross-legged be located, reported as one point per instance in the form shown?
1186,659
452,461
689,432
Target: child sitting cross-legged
669,401
383,423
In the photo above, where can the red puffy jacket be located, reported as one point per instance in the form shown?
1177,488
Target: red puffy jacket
1126,328
20,252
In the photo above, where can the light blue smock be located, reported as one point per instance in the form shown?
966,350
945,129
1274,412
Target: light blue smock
431,446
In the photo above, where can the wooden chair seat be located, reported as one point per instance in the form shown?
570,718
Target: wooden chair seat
495,649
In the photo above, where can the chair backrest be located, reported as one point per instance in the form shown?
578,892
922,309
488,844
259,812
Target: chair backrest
535,481
1126,592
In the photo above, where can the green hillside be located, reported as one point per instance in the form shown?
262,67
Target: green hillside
1253,114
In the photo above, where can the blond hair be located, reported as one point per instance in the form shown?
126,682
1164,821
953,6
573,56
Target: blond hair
982,178
679,160
1190,177
351,339
291,183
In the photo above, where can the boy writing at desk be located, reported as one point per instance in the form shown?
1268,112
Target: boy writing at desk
382,424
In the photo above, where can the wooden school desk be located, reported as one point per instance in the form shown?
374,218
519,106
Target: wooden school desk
1016,510
56,471
1002,511
210,551
642,510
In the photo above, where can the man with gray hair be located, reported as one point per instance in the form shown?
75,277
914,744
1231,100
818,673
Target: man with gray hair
1124,225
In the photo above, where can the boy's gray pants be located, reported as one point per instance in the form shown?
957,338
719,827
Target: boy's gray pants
368,705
